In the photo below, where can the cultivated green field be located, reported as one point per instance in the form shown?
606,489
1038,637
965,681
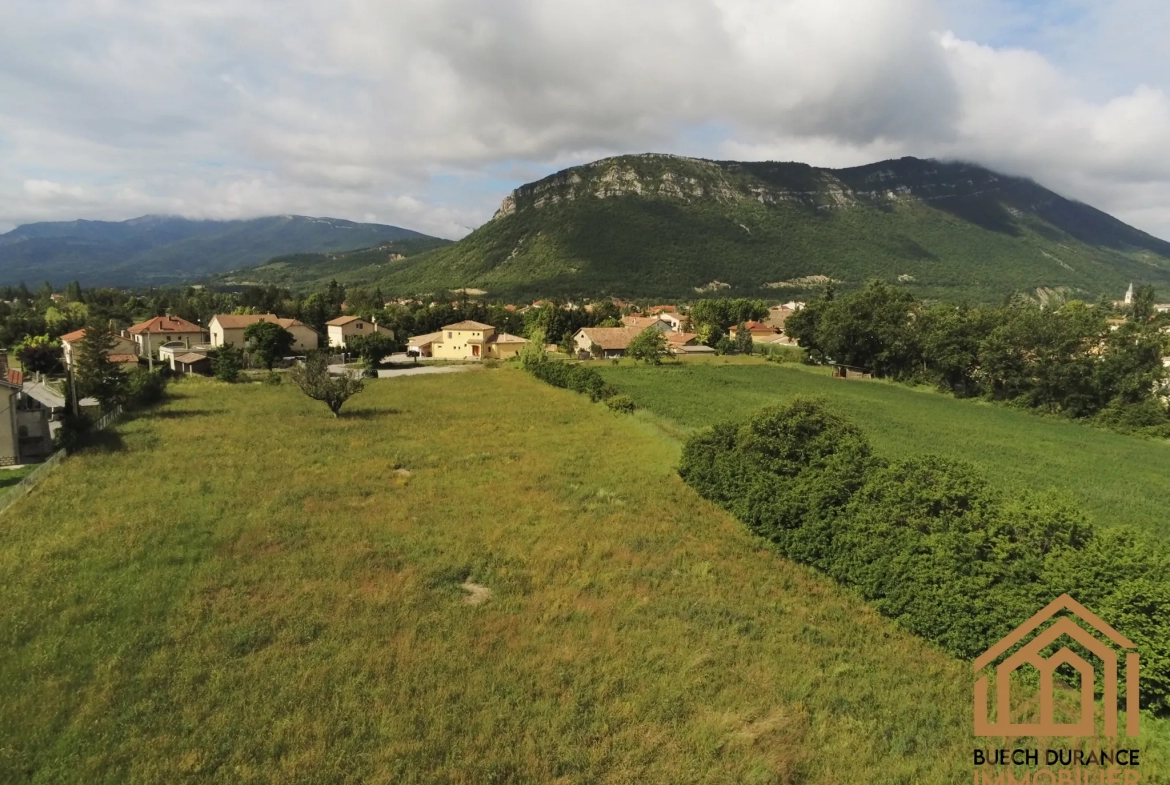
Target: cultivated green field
1116,479
239,588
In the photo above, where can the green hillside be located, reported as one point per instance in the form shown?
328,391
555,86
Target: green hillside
158,249
654,225
304,269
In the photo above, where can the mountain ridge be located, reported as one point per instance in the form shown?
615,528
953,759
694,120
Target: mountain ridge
162,249
660,225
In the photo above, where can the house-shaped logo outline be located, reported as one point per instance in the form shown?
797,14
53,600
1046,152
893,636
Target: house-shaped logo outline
1031,654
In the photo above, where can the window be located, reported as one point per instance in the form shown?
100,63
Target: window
359,325
448,335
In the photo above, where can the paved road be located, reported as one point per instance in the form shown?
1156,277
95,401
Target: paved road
393,372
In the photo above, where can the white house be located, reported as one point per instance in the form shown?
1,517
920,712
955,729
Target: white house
153,333
345,327
227,329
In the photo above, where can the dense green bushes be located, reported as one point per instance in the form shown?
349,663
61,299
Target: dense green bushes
927,540
572,376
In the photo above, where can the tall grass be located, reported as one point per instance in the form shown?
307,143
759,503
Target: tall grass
239,588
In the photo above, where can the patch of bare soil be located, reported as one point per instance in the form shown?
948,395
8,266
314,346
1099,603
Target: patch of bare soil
476,594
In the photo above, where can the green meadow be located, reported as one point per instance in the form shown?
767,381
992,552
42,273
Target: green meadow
236,587
1116,479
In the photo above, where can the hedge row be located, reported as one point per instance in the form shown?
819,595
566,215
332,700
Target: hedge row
927,541
571,376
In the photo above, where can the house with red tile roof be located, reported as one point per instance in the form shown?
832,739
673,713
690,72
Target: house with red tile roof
757,329
124,351
153,333
642,322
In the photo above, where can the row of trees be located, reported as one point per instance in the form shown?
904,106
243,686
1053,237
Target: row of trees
1064,357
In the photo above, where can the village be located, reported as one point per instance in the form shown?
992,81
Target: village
37,401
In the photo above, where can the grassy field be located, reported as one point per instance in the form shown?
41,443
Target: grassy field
1115,479
239,588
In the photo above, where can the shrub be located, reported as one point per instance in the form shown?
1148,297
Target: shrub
927,540
144,387
572,376
226,362
272,379
623,404
1148,417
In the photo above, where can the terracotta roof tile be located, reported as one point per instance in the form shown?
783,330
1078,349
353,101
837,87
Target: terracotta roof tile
612,337
468,325
166,324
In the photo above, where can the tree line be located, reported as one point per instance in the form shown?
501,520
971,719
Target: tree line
1064,357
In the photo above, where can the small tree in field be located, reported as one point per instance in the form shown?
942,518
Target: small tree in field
648,346
314,380
268,342
96,374
372,348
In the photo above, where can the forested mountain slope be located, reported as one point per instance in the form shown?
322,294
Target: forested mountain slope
656,225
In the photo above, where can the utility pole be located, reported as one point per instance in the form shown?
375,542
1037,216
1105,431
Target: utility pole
73,387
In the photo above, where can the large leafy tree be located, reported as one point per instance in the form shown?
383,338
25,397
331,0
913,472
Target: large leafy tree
39,353
648,346
268,342
96,375
869,330
372,349
314,380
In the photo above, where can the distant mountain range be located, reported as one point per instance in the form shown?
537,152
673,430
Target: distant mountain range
154,249
658,226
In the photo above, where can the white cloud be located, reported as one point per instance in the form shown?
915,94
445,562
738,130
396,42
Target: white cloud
420,112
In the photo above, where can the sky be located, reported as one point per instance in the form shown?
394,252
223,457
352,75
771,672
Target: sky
426,113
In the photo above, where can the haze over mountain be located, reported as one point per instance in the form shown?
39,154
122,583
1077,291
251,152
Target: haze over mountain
157,249
658,225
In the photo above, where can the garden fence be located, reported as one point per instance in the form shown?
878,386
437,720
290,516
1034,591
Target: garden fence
19,490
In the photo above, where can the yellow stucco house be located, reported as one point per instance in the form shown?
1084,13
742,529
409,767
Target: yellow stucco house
472,341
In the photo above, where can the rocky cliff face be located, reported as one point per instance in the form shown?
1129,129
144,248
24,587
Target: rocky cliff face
769,183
